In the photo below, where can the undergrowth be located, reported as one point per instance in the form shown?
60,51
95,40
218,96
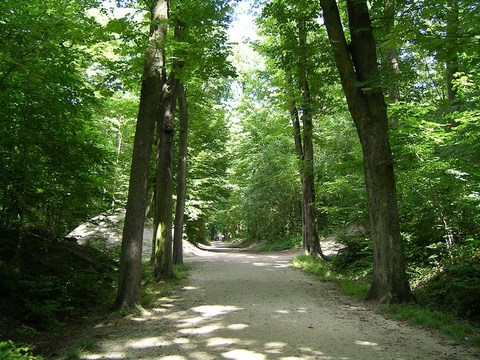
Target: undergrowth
46,284
10,350
281,244
457,329
52,281
325,271
153,289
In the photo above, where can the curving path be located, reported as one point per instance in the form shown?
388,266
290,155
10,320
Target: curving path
238,305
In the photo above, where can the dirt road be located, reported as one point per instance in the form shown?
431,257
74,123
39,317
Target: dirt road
238,305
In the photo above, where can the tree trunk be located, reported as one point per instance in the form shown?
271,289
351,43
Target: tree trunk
312,240
357,65
181,177
451,64
128,294
297,136
391,53
163,266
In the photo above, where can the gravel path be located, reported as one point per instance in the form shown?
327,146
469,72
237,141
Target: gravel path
238,305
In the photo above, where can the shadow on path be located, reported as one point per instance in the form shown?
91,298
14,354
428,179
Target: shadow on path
238,305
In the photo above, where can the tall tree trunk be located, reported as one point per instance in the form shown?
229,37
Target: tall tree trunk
128,294
181,177
297,136
391,53
357,65
163,266
312,240
451,63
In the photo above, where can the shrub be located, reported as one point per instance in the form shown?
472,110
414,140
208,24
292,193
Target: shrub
356,258
455,287
52,281
10,350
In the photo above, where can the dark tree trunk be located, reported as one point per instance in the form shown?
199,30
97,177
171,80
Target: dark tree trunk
181,177
312,240
128,294
163,266
357,65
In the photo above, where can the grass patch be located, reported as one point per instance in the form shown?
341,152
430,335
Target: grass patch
355,288
281,244
154,289
325,272
458,330
180,271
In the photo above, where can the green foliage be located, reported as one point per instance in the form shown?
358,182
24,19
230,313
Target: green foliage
196,230
52,281
356,258
203,47
448,324
10,350
455,286
54,155
180,271
437,183
294,242
314,266
341,194
264,177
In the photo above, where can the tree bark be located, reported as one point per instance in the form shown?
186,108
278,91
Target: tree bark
312,240
181,177
391,53
163,266
128,294
357,65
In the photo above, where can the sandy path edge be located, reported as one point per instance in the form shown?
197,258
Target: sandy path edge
238,305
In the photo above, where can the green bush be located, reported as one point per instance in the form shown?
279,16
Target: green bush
455,287
282,244
356,259
10,350
52,281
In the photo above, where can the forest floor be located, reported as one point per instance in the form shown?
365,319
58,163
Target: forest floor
237,304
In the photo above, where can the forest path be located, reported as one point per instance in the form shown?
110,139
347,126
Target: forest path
240,305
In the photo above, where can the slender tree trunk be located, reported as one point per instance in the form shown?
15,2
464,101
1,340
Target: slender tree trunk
181,177
128,294
163,208
312,240
451,63
297,136
357,65
153,210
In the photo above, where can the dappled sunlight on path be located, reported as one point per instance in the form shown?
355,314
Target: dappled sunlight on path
238,305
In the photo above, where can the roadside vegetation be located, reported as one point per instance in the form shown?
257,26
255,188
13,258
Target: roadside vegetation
56,287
